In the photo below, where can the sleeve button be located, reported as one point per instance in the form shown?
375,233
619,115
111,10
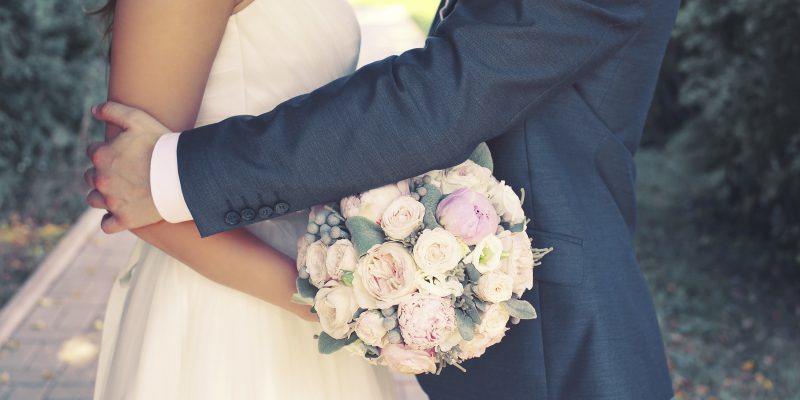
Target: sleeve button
248,214
265,212
281,208
232,218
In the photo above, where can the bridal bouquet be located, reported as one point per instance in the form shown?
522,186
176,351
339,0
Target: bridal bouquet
420,274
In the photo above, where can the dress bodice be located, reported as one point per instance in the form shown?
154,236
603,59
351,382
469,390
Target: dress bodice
273,50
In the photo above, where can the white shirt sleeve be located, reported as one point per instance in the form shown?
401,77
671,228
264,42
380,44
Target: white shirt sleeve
165,183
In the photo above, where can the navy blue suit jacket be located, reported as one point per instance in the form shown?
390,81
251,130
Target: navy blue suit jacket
560,90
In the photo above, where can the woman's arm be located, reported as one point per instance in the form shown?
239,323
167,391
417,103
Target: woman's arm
161,56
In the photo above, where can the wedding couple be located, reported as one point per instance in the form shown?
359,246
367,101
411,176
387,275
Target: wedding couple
559,90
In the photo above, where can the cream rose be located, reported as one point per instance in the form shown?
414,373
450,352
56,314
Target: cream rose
384,276
486,255
425,320
402,217
350,206
335,307
507,203
467,174
494,287
341,257
477,346
315,263
374,202
369,328
437,251
519,261
406,360
494,320
302,249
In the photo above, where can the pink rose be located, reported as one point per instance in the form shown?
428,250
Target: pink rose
406,360
468,215
425,320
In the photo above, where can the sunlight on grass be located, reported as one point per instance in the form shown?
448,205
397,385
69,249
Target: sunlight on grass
422,11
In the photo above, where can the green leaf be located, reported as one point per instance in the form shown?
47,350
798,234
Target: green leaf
306,289
431,202
482,156
347,278
517,227
329,345
472,273
364,234
466,326
472,310
520,309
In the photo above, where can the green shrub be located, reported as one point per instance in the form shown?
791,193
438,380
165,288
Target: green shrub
740,83
52,61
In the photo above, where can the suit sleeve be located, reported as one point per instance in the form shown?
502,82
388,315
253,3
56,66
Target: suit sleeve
485,64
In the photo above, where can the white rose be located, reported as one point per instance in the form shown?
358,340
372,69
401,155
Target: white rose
518,262
507,203
374,202
494,320
441,287
384,276
369,328
477,346
406,360
335,308
494,287
402,217
302,249
450,342
315,263
437,251
341,257
486,255
467,174
350,206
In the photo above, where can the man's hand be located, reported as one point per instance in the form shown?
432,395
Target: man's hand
120,178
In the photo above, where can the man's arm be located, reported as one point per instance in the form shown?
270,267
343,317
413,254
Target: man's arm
484,66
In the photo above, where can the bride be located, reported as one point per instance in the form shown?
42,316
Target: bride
193,318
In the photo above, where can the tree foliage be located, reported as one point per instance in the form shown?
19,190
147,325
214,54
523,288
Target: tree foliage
52,61
734,71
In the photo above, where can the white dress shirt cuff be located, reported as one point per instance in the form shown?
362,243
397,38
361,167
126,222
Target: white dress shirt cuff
165,183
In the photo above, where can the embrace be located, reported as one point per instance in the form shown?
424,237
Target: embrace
228,119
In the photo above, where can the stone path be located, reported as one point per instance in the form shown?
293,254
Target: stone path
50,331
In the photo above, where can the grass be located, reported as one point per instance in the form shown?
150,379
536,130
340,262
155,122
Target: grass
422,11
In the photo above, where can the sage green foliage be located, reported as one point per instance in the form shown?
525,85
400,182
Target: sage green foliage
431,202
365,234
483,156
52,58
328,345
734,70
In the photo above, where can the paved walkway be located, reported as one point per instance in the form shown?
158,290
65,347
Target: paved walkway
50,331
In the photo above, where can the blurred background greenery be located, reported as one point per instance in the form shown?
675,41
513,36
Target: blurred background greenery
718,173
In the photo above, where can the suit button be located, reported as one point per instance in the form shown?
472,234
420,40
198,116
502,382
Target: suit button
281,208
232,218
265,212
248,214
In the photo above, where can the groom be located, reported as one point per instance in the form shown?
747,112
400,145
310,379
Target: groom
559,89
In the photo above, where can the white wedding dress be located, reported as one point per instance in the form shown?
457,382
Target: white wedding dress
170,333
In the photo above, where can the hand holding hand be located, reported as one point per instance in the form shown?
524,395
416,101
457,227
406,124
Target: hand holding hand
120,177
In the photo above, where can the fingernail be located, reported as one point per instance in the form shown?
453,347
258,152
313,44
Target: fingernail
94,109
